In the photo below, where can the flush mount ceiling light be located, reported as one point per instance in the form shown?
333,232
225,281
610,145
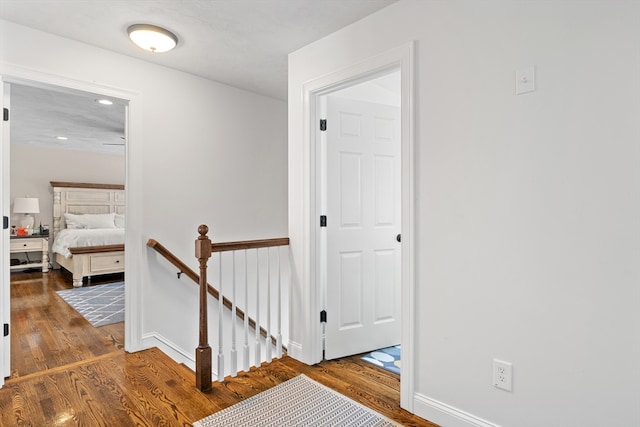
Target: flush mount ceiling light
104,101
152,38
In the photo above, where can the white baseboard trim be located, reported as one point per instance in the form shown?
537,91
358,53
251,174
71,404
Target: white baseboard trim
446,415
294,350
169,348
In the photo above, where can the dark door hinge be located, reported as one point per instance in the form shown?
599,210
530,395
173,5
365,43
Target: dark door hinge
323,316
323,220
6,329
5,114
323,124
5,222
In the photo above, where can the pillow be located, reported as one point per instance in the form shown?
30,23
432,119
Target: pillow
74,221
119,220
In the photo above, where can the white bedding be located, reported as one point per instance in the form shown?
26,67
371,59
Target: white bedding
67,238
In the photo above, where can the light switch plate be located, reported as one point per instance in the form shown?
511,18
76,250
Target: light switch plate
525,80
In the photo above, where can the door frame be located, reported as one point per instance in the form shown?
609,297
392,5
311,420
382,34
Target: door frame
402,58
133,183
5,203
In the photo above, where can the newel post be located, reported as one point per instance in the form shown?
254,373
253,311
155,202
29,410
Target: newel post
203,352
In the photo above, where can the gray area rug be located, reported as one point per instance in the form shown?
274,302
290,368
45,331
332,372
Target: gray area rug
100,305
297,402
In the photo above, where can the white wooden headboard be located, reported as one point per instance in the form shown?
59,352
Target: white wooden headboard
83,198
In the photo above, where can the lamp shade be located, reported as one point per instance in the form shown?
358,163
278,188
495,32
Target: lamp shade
26,205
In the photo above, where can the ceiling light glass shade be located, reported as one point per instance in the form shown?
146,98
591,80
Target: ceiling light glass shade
152,38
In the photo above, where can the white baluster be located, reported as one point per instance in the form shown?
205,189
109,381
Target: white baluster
220,322
279,309
273,306
246,315
269,345
234,352
258,355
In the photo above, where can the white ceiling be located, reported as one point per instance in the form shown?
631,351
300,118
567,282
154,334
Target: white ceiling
242,43
39,116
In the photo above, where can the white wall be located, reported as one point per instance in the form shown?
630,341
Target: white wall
32,168
202,152
528,205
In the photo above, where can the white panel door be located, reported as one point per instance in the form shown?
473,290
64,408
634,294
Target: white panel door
363,207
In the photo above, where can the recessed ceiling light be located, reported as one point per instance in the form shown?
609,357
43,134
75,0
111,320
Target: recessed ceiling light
104,101
152,38
62,138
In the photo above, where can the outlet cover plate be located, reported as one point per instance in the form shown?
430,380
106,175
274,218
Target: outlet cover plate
502,375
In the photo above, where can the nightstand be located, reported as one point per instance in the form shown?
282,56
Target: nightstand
33,243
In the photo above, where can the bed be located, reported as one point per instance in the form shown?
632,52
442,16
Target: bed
85,242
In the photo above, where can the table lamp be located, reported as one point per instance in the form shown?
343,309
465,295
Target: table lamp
26,206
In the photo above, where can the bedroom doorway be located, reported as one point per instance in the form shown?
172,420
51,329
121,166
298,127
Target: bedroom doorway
42,144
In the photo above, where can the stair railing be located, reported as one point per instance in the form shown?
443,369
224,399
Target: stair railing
204,249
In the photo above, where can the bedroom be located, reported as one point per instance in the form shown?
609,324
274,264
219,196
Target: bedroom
61,137
92,153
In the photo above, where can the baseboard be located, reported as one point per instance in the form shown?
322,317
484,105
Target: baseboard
446,415
294,350
170,349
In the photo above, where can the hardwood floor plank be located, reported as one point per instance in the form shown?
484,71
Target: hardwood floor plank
66,372
46,332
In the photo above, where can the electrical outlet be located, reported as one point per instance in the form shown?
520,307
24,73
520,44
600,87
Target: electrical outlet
502,375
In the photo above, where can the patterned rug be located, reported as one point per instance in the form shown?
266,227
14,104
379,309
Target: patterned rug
386,358
297,402
100,305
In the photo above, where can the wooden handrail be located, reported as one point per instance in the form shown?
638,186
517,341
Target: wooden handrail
183,268
169,256
249,244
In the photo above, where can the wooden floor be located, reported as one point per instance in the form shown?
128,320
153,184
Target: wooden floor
65,372
46,332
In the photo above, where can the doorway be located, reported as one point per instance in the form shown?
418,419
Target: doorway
314,295
16,75
360,174
56,135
